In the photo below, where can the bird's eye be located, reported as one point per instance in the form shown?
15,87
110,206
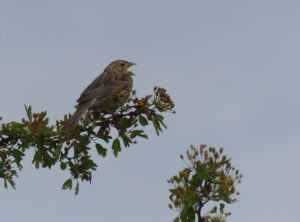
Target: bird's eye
122,64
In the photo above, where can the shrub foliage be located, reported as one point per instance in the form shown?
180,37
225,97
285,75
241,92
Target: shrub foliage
209,176
72,150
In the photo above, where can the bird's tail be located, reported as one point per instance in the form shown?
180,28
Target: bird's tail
73,121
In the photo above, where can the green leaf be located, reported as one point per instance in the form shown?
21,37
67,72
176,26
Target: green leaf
67,184
116,146
126,122
187,214
139,133
63,165
202,173
143,121
126,140
176,219
77,188
144,136
18,155
160,119
37,159
29,112
156,126
87,163
102,151
12,183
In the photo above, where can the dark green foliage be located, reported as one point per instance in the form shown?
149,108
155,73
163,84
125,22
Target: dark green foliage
209,176
116,147
72,150
101,150
188,214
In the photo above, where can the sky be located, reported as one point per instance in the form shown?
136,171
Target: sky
232,68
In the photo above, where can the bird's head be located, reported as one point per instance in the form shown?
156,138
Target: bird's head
120,66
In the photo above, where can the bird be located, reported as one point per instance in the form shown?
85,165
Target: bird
108,92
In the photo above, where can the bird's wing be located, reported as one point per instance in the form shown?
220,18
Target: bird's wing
104,85
95,93
96,83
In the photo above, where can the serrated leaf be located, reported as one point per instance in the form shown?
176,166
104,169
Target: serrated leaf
102,151
143,121
67,184
18,155
116,146
87,164
126,140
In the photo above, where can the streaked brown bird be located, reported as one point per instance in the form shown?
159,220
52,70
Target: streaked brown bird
109,91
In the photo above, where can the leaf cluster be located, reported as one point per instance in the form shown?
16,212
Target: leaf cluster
209,176
72,149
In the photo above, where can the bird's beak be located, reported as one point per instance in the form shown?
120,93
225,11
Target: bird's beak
130,72
132,64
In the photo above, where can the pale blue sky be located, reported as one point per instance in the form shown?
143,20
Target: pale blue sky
231,67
